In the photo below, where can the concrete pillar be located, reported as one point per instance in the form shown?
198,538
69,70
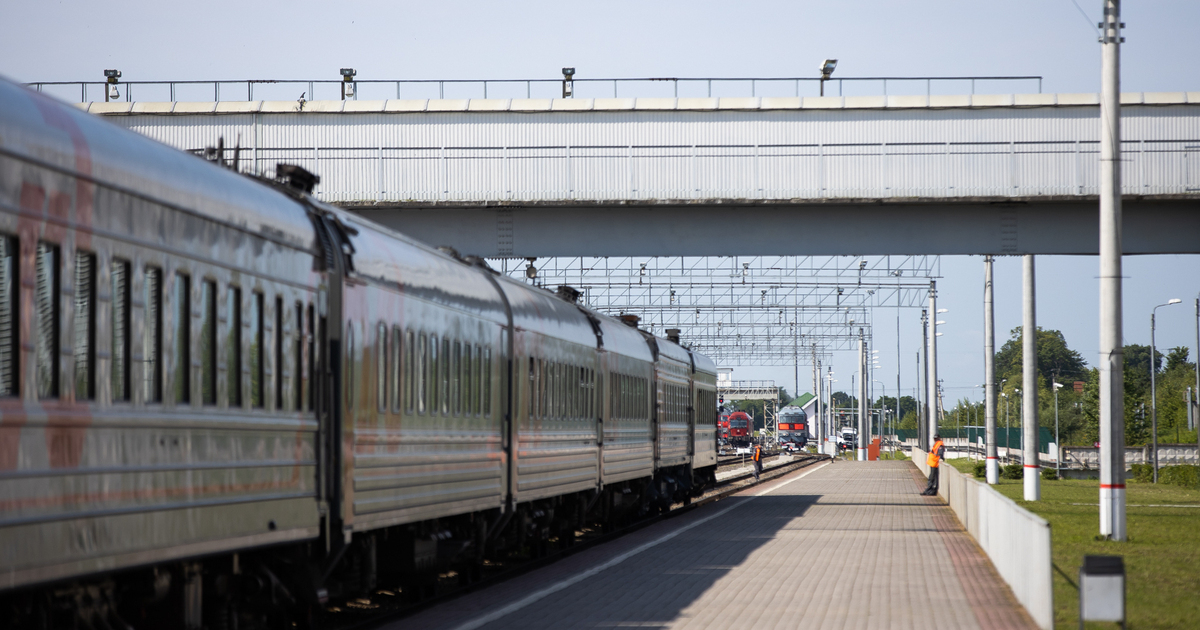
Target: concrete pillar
863,422
931,380
1112,356
989,374
1029,382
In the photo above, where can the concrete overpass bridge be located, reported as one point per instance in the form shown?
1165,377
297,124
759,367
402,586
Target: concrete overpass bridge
972,174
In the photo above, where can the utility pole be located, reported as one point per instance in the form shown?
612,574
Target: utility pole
989,374
1033,477
863,422
816,419
830,430
1112,356
897,418
931,360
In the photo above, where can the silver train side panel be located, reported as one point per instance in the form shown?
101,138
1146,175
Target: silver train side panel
628,451
555,441
673,385
704,401
98,471
421,385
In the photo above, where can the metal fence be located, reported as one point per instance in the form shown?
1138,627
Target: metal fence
274,89
754,172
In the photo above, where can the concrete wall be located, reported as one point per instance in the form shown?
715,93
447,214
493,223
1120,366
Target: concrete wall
1016,540
1168,455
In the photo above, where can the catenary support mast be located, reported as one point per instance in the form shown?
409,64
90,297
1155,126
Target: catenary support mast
989,374
1029,383
931,380
863,422
1112,369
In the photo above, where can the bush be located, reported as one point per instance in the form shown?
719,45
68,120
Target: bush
980,470
1049,474
1012,471
1143,472
1186,476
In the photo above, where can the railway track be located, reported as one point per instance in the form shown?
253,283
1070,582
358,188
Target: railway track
388,605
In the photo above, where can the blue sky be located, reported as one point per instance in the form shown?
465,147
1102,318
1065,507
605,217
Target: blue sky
76,40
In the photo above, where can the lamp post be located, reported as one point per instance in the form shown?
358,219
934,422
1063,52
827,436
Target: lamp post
1153,398
1057,443
348,90
827,67
1007,430
1020,418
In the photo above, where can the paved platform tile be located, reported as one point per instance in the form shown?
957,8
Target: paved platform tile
845,545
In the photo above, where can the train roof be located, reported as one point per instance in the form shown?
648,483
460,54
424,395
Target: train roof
424,272
41,129
538,310
672,350
623,339
704,365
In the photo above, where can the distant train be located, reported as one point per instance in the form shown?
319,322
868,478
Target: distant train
793,427
737,428
224,403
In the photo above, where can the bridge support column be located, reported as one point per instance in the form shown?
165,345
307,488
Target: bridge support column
1112,356
1029,383
989,374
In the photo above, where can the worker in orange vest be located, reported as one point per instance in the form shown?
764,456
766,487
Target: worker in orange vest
935,458
757,461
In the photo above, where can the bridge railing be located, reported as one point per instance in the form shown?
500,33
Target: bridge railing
331,89
755,172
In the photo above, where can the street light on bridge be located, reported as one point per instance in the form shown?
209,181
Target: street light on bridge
827,67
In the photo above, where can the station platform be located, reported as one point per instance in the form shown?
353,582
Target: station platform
835,545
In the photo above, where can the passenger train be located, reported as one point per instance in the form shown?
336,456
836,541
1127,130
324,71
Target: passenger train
224,403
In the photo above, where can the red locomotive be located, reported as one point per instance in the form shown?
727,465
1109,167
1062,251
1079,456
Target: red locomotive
736,428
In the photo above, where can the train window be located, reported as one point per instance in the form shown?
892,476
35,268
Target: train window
408,370
47,320
487,382
298,376
544,388
432,374
208,343
180,361
422,371
381,382
152,335
84,346
394,375
256,351
456,378
531,408
233,347
8,316
468,381
119,274
310,383
564,404
447,359
277,366
551,390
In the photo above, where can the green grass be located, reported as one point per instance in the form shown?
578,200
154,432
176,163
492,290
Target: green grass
1162,555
